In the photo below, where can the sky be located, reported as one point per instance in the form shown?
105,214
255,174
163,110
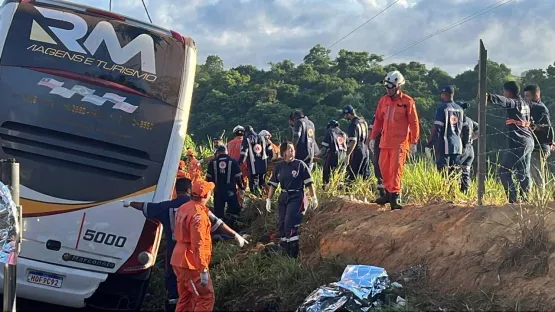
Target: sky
520,33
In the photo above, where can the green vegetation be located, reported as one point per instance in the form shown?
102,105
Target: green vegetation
321,86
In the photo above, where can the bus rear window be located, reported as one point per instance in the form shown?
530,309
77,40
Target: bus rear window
48,37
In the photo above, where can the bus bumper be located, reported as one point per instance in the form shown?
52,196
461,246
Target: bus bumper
77,285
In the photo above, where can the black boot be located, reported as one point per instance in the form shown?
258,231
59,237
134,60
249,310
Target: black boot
383,199
395,201
382,192
293,249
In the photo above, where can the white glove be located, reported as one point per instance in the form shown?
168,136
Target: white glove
371,145
268,205
125,203
204,278
314,202
428,152
413,149
241,240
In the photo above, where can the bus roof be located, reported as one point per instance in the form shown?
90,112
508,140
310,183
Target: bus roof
128,19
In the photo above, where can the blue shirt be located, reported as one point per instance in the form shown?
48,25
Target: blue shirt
165,213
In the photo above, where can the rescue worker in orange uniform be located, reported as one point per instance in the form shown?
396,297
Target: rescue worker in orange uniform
194,168
397,121
180,174
193,251
234,150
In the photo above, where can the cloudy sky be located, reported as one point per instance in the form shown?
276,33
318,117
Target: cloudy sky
520,33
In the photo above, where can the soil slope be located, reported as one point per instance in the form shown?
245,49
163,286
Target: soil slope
465,248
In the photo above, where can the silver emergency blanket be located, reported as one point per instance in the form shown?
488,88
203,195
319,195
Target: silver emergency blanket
8,225
358,290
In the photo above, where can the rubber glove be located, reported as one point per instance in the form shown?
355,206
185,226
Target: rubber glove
241,240
371,145
126,203
204,278
268,205
314,202
428,152
413,149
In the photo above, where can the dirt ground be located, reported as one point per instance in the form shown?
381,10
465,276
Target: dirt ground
465,248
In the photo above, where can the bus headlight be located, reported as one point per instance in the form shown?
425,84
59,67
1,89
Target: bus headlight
144,257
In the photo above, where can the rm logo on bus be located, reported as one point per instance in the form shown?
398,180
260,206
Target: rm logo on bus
102,32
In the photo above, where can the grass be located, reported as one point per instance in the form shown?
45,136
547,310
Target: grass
251,280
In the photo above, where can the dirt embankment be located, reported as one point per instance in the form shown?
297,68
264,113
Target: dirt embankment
465,248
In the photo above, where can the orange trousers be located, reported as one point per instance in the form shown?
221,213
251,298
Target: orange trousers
192,295
392,161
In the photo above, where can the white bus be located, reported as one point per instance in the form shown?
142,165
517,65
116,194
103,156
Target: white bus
94,106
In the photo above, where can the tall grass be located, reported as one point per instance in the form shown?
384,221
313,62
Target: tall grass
250,279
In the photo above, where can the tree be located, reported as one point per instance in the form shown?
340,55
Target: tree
321,86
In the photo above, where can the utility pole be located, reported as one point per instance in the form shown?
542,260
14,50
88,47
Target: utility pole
482,90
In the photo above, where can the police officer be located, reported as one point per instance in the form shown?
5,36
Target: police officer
334,146
256,151
357,151
293,176
303,137
446,134
469,134
375,148
164,212
520,140
225,172
543,135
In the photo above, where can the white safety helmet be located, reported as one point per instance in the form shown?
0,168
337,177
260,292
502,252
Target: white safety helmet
265,133
239,130
395,78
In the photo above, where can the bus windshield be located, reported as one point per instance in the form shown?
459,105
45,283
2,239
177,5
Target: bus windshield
93,46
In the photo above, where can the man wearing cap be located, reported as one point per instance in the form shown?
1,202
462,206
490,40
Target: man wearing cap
397,122
193,251
446,136
256,151
334,147
164,212
358,155
303,137
180,175
224,171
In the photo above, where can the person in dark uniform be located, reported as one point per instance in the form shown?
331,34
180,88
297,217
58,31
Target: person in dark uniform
256,151
293,176
226,174
334,149
164,212
469,134
447,130
520,141
543,135
357,152
375,148
303,137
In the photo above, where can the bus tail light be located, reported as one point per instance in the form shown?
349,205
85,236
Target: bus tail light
145,253
178,36
105,13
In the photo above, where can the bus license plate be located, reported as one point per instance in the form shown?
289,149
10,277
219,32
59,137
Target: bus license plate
47,279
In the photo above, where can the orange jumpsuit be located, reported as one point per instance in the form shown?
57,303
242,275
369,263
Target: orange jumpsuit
397,121
195,170
192,255
234,151
180,174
